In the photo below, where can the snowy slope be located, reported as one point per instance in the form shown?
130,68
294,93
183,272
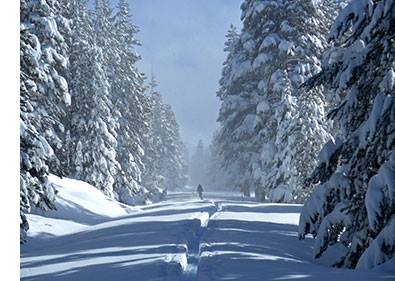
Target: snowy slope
78,205
182,238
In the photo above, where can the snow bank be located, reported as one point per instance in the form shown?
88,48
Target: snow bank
78,204
181,238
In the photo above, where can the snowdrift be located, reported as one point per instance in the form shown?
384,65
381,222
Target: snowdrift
78,205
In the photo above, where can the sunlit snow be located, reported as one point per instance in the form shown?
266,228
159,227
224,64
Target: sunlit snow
225,237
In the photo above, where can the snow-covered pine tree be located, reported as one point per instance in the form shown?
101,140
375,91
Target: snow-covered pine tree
330,9
152,142
184,156
283,171
198,165
351,213
94,130
216,175
42,19
92,135
131,106
165,153
34,148
79,45
104,31
65,25
237,137
283,41
44,98
174,164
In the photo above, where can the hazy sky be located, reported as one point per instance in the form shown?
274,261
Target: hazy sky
182,44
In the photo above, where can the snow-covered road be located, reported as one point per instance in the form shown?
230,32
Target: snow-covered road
182,238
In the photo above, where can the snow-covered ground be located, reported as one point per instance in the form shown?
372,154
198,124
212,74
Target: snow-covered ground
224,237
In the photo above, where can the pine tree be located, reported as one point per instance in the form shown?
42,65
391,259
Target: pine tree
34,148
174,162
351,212
93,136
236,137
224,139
44,98
283,170
198,165
42,19
131,105
165,153
152,141
65,26
105,34
279,48
330,9
216,174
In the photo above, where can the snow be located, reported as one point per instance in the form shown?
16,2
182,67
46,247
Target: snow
281,194
269,41
356,56
286,47
381,191
240,69
286,218
248,125
285,27
262,58
388,82
47,227
328,150
374,255
224,237
67,98
78,205
51,27
342,22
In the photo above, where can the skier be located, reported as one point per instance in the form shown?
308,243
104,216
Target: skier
200,191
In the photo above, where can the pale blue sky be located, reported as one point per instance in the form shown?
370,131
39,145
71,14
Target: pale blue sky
182,43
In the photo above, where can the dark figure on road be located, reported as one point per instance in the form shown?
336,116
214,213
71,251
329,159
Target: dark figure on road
200,191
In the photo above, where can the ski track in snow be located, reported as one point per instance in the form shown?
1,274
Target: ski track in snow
193,246
181,239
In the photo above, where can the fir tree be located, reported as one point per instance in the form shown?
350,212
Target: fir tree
42,19
131,107
173,162
286,54
152,141
165,156
236,137
351,210
216,174
44,98
198,165
264,116
93,136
